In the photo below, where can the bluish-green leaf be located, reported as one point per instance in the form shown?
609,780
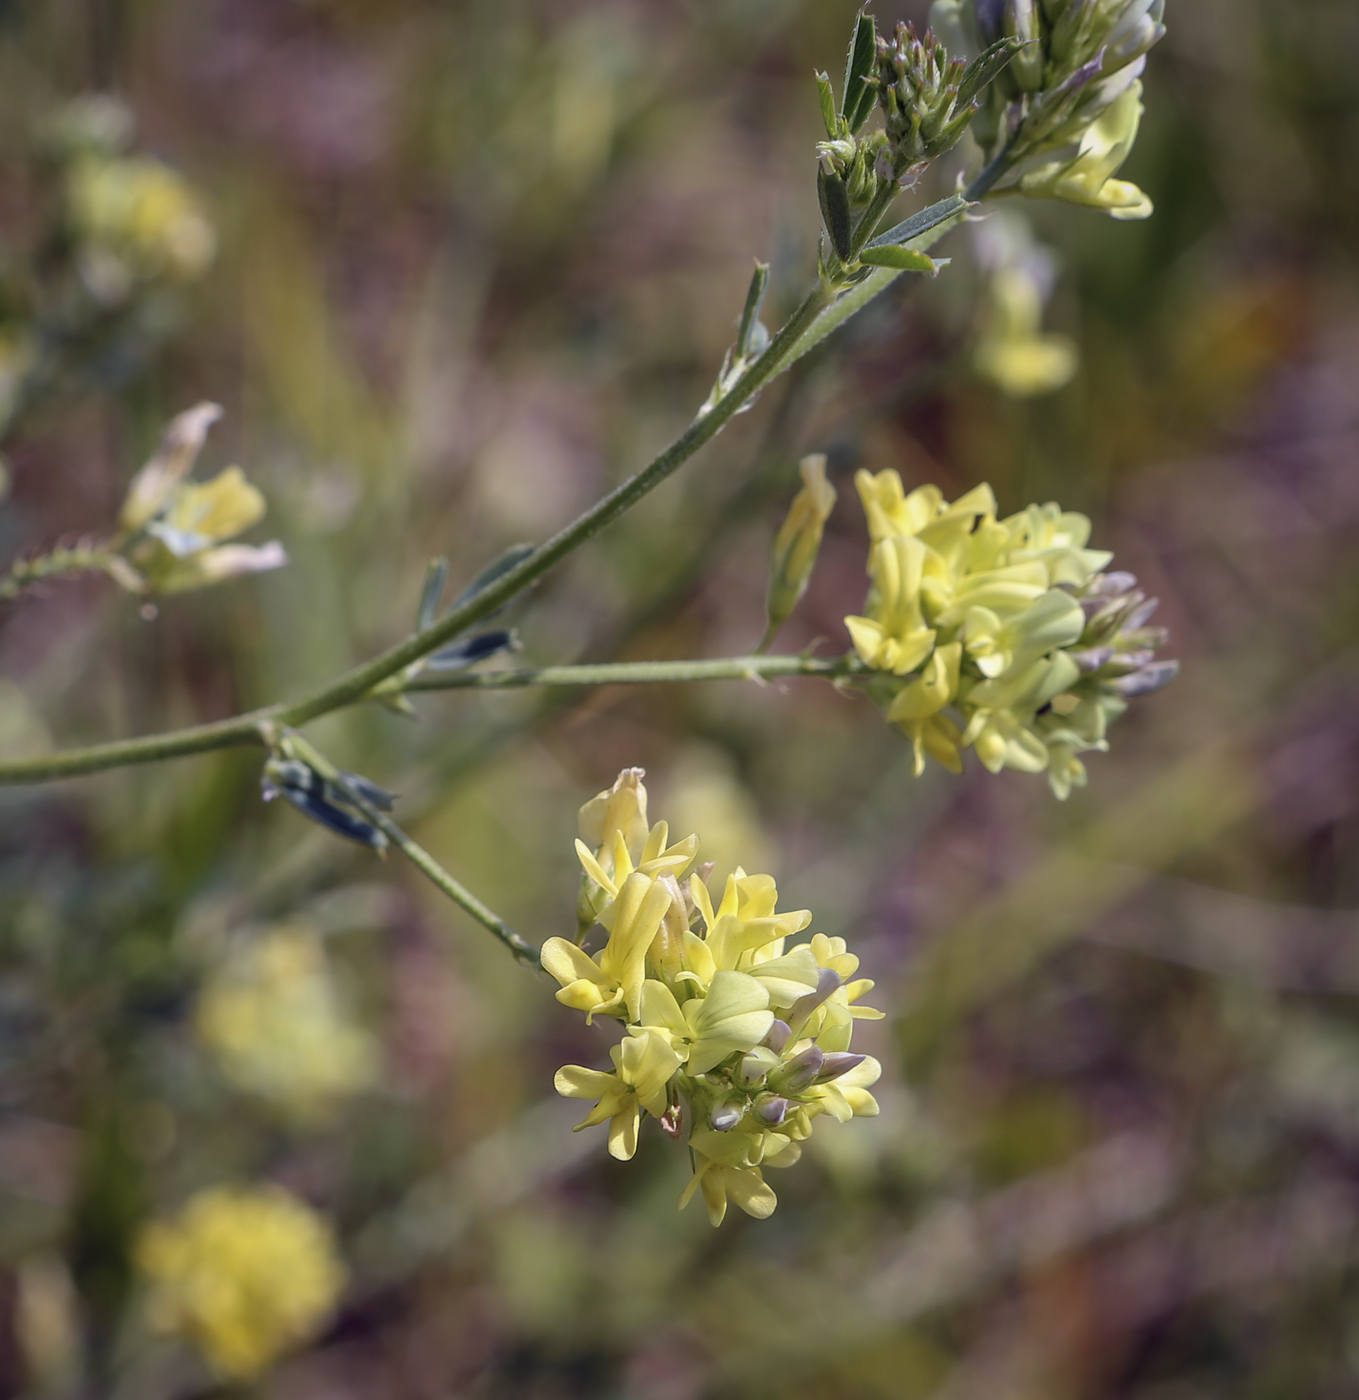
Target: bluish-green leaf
750,316
497,568
430,594
827,98
856,101
836,212
922,222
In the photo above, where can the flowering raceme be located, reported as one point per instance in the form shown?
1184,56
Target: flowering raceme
245,1273
1014,626
733,1038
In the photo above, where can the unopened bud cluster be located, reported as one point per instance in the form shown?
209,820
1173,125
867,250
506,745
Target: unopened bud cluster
734,1042
929,99
1007,636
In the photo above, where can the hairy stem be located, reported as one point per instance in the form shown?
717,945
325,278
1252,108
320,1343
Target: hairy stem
79,559
727,668
253,728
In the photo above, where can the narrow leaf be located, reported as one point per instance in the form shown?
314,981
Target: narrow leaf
987,67
750,317
903,259
922,222
827,98
430,594
836,213
497,568
856,100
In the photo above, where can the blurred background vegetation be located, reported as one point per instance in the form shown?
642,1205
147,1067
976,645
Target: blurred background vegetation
475,261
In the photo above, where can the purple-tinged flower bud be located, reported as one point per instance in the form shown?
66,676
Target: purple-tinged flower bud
1146,680
778,1036
1140,614
1091,658
838,1062
725,1116
827,983
1111,585
772,1110
802,1068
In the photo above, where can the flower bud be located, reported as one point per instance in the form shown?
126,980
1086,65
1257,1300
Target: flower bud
827,983
802,1069
779,1034
837,1063
798,541
725,1116
771,1110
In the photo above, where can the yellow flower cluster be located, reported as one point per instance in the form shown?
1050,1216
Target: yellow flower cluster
244,1273
1013,625
272,1018
135,220
734,1040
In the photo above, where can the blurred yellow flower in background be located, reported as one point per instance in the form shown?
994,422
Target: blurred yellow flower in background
273,1020
244,1273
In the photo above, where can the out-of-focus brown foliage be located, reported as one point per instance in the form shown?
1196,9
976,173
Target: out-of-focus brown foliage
476,261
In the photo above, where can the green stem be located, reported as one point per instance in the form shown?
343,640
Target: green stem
822,311
252,728
356,684
414,852
726,668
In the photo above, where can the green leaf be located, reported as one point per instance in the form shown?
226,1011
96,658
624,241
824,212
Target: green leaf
750,317
903,259
922,222
857,98
497,568
430,594
836,213
823,90
986,68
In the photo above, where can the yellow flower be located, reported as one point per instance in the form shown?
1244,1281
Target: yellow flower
744,929
894,637
1000,709
273,1020
643,1066
729,1032
915,710
1057,539
1005,635
244,1273
185,522
799,540
621,810
612,983
135,218
1054,619
1087,177
732,1016
728,1168
1012,350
